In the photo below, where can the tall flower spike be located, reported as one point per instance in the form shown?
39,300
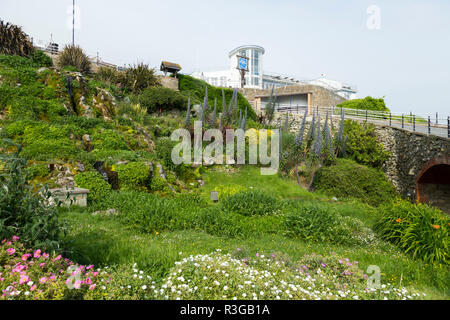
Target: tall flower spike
188,114
224,103
213,117
318,141
302,130
327,132
230,105
286,123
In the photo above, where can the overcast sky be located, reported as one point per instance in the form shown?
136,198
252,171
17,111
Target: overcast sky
406,59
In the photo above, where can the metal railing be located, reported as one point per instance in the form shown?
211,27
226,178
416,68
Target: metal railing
437,125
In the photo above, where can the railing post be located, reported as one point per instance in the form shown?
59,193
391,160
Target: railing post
366,115
429,125
414,122
390,119
448,127
436,118
403,122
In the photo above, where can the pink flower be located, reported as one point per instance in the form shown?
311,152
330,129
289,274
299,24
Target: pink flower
24,279
77,284
57,258
33,287
42,265
43,280
94,274
88,281
9,243
89,267
45,255
15,238
11,251
92,287
26,256
37,254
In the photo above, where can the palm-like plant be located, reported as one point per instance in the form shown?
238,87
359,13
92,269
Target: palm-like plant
73,55
14,41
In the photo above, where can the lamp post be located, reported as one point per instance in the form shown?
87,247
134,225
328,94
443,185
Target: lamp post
73,22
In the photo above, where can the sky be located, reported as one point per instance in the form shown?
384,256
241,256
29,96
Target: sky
396,49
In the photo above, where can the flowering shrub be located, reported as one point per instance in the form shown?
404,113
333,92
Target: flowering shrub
417,228
37,275
220,276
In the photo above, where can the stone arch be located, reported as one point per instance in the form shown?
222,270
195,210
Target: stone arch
433,183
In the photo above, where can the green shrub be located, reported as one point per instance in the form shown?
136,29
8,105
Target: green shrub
319,223
23,212
362,144
137,78
418,229
252,203
73,56
50,150
347,179
92,180
157,98
163,151
368,103
40,59
14,41
38,171
109,140
134,176
195,89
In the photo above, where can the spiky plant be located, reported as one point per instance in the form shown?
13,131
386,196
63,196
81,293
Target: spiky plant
13,41
286,123
270,108
224,104
328,140
317,148
213,116
73,55
301,132
187,122
139,77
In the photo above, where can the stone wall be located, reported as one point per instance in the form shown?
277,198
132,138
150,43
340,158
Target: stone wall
169,82
412,155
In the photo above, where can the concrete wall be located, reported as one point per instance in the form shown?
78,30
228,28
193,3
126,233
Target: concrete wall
319,96
168,82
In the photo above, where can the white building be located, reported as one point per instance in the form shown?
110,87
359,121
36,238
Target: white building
256,78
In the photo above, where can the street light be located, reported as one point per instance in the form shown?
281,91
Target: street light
73,22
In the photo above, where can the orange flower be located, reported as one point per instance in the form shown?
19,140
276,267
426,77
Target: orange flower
436,226
398,220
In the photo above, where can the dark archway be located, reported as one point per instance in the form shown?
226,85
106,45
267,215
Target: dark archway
433,183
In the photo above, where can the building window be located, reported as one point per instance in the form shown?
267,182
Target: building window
255,62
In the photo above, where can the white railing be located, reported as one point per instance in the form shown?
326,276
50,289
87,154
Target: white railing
438,125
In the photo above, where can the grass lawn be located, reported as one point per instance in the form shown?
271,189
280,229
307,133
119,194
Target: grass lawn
103,240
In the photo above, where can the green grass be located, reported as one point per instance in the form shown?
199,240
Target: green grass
250,177
105,241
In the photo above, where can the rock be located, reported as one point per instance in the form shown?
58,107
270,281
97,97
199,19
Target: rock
109,212
86,138
40,70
